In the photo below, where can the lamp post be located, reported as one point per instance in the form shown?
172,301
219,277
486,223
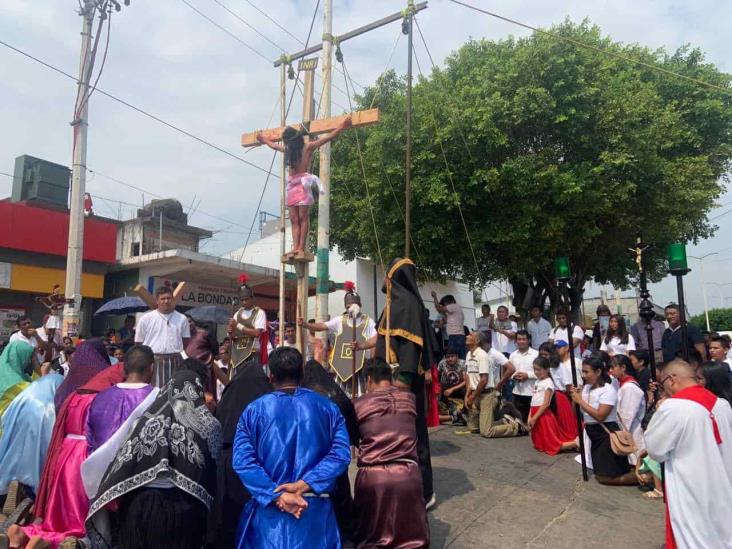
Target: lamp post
678,267
704,289
563,273
721,296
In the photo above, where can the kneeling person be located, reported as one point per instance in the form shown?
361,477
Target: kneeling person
483,390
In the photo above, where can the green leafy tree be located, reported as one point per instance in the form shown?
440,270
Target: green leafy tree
720,320
550,149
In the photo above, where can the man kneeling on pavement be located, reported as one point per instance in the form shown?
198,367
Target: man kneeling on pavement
487,372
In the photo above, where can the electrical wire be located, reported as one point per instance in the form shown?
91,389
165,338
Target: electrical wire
249,25
138,109
597,49
234,36
275,22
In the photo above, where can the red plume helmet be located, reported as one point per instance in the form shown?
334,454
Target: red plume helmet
243,279
349,287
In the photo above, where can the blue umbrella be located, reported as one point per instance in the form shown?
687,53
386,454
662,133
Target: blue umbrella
122,306
210,313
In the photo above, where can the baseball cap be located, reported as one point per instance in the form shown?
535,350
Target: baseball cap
560,343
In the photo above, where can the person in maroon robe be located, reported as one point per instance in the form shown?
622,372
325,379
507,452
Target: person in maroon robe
388,483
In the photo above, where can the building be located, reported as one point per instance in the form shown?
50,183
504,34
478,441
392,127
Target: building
34,226
366,274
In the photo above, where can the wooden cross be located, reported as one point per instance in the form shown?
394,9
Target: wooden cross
358,119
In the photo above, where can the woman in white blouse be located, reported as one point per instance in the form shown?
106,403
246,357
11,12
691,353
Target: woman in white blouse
631,401
598,401
617,340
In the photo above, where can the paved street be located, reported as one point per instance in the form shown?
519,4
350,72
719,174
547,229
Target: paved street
502,493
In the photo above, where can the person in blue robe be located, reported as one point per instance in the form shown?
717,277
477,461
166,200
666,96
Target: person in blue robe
290,447
26,428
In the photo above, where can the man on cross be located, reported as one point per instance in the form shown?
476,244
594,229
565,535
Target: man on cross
300,182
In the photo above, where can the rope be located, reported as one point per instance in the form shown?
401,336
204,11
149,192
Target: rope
449,171
363,171
597,49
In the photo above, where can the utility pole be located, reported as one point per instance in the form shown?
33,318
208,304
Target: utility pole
322,269
75,254
283,208
78,177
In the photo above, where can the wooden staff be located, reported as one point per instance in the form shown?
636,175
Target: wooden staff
353,360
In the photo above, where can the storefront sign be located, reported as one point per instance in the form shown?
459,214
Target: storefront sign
8,316
195,294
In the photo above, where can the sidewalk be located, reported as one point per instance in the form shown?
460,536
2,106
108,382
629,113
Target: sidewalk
503,493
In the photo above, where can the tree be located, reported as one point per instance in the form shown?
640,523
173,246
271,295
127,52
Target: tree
720,320
550,149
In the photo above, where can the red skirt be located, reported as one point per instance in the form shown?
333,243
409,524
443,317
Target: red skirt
546,433
565,416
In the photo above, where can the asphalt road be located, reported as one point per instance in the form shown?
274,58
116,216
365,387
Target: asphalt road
503,493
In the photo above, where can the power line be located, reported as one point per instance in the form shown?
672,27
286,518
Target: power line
585,45
138,109
275,22
245,22
235,37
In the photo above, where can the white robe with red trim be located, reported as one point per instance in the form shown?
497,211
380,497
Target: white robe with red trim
698,473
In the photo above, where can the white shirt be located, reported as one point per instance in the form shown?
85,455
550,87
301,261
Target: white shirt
562,374
163,333
616,347
698,473
335,325
501,342
480,362
631,409
560,334
57,339
539,331
539,391
455,319
524,362
18,336
601,395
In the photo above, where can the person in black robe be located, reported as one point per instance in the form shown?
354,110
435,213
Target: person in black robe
319,380
406,340
249,384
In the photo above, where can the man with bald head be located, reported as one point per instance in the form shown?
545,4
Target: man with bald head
691,433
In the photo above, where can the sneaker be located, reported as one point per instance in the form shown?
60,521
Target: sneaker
431,502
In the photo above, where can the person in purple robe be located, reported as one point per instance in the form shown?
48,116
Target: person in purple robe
112,406
388,482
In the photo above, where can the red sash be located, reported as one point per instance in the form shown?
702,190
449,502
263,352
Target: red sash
708,399
625,379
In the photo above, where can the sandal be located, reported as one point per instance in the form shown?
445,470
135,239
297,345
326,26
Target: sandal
653,494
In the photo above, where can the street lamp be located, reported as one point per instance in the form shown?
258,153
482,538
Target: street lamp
562,273
721,297
678,267
704,290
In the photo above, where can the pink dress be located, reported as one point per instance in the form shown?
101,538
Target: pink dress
67,504
300,189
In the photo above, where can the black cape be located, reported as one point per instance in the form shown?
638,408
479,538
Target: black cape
405,334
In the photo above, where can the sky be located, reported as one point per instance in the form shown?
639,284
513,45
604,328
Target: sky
168,59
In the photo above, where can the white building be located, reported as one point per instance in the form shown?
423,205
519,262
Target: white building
367,276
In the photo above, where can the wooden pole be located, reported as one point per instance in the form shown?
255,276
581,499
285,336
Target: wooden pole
283,211
353,360
408,159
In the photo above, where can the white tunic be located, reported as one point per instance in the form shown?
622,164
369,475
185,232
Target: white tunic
631,409
617,347
524,362
698,471
163,333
